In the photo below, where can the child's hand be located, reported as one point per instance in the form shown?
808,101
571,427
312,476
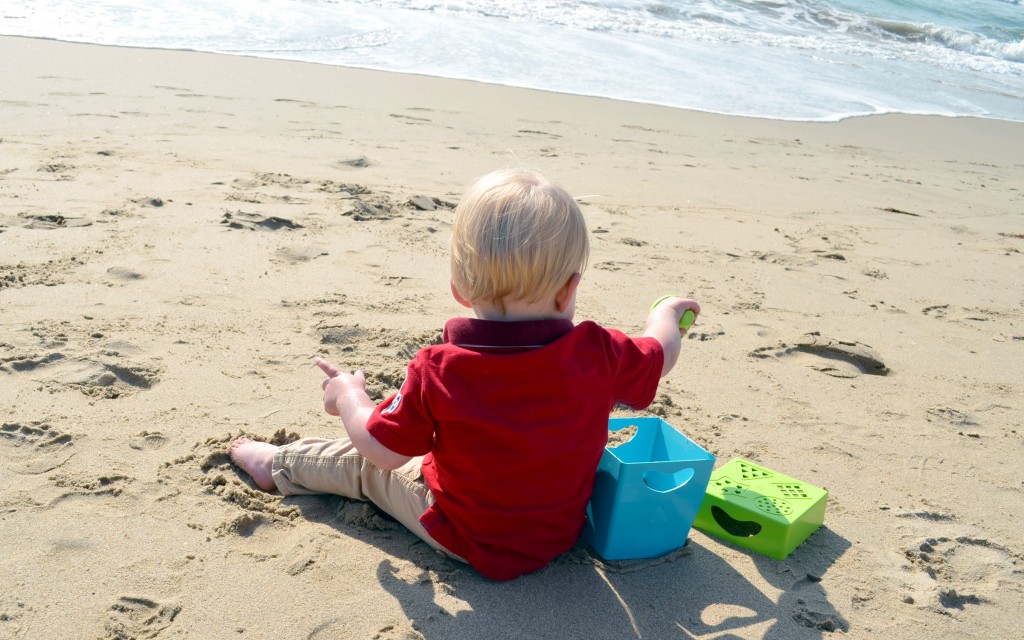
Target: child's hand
340,387
672,309
663,325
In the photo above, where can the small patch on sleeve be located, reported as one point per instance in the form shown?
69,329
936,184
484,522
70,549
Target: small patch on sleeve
393,407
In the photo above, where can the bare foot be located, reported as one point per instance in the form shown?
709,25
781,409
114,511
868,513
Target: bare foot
255,458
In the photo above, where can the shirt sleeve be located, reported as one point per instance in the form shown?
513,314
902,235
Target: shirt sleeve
402,422
637,364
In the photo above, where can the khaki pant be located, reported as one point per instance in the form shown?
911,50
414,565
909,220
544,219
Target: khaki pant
315,466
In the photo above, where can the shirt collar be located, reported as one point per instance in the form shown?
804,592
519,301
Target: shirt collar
473,333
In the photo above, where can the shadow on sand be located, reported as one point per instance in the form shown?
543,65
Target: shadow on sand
693,593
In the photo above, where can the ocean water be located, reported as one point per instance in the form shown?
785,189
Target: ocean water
782,59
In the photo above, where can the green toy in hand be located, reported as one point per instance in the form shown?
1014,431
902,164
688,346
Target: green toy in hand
688,316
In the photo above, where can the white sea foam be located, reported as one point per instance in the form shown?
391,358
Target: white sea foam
788,59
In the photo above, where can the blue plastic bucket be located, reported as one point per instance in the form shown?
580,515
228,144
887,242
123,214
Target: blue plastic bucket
646,492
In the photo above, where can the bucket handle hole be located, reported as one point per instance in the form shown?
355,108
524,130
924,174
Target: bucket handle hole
667,482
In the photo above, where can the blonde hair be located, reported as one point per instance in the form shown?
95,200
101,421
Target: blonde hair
516,236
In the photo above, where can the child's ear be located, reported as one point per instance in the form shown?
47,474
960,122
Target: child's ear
565,295
458,296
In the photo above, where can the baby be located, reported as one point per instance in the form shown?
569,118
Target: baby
488,450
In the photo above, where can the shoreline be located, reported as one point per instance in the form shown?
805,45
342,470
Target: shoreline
182,232
968,139
830,118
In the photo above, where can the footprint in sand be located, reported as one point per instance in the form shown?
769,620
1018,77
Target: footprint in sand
99,379
107,373
136,617
37,447
147,441
960,570
93,377
831,356
979,422
78,485
37,434
22,362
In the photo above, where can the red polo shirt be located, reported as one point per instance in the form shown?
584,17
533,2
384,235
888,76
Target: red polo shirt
512,418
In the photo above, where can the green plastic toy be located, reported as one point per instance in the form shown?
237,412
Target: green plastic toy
760,509
688,316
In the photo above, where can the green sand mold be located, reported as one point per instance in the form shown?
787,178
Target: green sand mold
760,509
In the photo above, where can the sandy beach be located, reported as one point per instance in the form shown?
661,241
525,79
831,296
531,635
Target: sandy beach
182,233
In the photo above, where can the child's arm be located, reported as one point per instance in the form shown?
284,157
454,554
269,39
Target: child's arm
663,325
345,396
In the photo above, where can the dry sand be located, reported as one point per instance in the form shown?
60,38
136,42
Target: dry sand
181,233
